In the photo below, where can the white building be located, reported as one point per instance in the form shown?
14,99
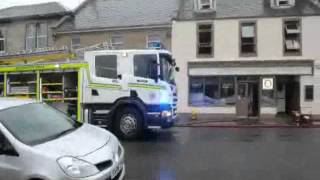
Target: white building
248,58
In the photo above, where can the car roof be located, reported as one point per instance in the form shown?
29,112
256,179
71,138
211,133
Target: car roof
6,103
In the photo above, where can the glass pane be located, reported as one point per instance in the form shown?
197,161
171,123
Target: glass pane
145,65
196,95
106,66
267,98
1,44
42,42
248,31
309,93
42,29
35,123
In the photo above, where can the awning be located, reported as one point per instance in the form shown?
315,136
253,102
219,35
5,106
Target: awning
254,67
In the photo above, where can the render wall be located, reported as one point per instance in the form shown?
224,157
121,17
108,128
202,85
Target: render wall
226,48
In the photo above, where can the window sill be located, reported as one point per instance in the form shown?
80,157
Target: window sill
204,56
292,54
246,55
206,11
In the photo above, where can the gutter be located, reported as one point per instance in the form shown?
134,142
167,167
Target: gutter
115,29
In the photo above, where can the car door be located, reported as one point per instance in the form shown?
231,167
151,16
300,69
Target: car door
9,161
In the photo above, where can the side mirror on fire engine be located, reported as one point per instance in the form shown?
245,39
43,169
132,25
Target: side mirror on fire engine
177,69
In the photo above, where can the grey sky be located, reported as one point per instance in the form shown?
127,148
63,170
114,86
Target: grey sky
68,3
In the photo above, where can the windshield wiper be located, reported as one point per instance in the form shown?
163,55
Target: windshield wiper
65,132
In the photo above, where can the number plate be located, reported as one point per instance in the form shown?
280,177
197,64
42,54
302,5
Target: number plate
116,171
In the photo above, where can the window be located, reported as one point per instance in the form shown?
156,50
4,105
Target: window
292,37
283,3
75,41
2,42
205,39
106,66
154,41
36,36
203,5
145,65
212,91
308,93
166,68
248,39
117,41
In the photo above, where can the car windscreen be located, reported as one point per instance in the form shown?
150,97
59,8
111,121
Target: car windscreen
36,123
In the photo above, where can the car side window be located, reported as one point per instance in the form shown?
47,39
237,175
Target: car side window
5,147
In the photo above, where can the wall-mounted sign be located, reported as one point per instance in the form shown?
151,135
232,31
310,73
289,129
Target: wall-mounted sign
267,83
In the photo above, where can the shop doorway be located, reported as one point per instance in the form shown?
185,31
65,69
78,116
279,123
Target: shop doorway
247,99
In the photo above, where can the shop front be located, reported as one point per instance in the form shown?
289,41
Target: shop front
258,90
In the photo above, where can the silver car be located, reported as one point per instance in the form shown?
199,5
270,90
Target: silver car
38,142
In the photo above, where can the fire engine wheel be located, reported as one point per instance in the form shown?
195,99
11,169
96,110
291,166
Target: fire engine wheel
128,123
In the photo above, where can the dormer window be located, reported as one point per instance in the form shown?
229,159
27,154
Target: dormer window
282,3
205,5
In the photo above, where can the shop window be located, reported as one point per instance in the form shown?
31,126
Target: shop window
145,66
292,37
308,94
2,42
106,66
205,40
36,36
268,98
212,91
75,41
248,39
116,41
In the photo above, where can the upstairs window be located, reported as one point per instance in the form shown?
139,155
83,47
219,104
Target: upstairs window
145,66
116,41
205,40
283,3
154,41
106,66
2,42
204,5
75,41
36,36
292,37
248,39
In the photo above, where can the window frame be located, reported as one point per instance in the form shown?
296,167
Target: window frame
157,41
219,82
36,36
116,68
198,40
3,38
285,53
306,99
117,45
252,54
157,63
75,45
199,6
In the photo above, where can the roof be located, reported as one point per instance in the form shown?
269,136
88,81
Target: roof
33,11
247,9
6,103
95,14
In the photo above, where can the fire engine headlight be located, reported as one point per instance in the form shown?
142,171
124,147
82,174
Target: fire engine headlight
77,168
166,114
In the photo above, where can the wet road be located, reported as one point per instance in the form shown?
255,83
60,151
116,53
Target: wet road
225,154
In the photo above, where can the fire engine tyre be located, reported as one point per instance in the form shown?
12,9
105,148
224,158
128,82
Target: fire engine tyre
128,123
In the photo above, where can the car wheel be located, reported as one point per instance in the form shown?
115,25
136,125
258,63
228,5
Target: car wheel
128,123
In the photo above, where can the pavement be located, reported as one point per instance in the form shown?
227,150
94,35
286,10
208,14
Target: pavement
225,154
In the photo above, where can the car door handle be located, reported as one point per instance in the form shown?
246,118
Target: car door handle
94,92
142,81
